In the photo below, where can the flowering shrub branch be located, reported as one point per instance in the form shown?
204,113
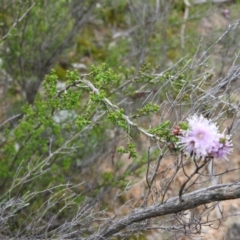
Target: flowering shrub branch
119,152
201,139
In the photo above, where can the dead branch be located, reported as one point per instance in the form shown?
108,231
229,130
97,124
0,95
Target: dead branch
191,200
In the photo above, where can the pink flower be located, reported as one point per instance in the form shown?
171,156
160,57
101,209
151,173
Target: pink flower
223,147
202,139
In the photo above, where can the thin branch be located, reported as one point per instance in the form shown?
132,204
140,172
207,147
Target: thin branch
194,199
114,107
191,176
17,22
185,17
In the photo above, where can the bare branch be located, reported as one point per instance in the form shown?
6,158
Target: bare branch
194,199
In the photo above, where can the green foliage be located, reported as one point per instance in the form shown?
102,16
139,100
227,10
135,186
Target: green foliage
130,149
113,13
117,118
39,30
147,110
46,144
82,122
104,77
183,125
163,130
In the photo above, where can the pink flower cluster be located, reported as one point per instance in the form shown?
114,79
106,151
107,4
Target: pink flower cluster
202,139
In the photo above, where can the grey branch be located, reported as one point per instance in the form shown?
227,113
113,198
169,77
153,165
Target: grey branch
173,205
17,21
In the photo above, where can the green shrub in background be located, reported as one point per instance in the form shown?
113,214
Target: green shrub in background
42,32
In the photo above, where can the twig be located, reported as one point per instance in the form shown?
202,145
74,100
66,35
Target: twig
195,172
17,22
185,17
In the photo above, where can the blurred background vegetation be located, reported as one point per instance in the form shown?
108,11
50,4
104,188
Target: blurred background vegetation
126,47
